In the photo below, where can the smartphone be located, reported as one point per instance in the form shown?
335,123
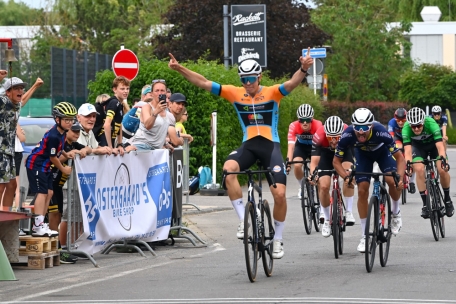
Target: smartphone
162,98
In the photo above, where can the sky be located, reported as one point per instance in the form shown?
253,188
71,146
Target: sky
33,3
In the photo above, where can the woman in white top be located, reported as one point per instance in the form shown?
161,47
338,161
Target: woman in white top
155,122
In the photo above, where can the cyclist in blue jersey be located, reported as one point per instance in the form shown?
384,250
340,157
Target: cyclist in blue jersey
257,108
442,121
372,143
395,126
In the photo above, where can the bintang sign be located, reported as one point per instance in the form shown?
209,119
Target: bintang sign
248,33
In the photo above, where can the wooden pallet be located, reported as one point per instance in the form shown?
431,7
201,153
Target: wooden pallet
37,245
39,260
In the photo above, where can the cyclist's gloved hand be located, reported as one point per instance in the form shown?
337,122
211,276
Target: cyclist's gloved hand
409,170
444,164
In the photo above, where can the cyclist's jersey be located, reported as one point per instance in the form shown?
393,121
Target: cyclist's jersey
50,145
320,142
297,135
113,109
59,177
429,135
443,121
394,129
259,115
379,138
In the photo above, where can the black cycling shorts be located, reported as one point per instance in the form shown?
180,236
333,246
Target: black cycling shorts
326,160
423,151
268,152
302,151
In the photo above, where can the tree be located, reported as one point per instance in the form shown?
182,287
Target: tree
366,60
12,13
198,30
411,10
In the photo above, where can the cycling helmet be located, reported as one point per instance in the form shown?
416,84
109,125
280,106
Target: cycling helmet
400,113
76,126
305,111
334,126
415,116
249,67
362,116
64,109
436,109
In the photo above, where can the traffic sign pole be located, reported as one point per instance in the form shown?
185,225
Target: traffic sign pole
315,76
315,53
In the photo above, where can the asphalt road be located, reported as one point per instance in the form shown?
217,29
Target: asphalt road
419,269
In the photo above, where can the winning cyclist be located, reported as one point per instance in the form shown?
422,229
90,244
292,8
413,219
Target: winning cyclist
442,121
422,138
257,107
300,135
372,143
323,147
395,126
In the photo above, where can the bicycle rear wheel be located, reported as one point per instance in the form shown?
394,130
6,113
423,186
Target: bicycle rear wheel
441,212
433,215
267,239
385,227
341,224
371,233
250,241
405,190
316,209
305,204
335,225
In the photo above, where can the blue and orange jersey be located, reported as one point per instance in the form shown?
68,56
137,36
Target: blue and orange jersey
378,138
259,115
50,145
394,129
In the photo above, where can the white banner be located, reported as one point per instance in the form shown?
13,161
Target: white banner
124,198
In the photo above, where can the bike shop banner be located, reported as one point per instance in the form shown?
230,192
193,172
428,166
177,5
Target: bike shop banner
124,198
248,33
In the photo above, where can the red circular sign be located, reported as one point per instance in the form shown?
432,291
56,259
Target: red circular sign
125,63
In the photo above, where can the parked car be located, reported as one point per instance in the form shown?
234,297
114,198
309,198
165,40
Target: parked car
34,128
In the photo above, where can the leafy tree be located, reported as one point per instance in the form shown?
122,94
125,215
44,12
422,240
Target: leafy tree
411,10
198,27
366,61
428,85
13,13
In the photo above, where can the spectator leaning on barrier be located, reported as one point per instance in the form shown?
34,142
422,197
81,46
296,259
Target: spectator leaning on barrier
38,164
180,126
108,125
155,122
9,115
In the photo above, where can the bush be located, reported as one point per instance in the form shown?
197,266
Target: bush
451,133
383,111
202,103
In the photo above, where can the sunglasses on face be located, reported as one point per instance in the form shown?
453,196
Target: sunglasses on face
333,138
250,79
305,120
414,127
159,80
363,128
401,119
436,114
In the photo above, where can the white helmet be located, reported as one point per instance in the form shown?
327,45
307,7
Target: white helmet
305,111
436,109
334,126
415,116
249,67
362,116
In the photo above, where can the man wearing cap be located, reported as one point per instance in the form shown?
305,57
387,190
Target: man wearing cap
177,103
87,115
9,114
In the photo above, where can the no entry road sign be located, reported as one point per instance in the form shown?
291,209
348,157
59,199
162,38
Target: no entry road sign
125,63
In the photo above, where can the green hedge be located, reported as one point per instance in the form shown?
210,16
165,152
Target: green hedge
201,104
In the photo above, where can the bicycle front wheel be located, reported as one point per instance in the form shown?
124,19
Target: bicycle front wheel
267,239
371,233
441,212
405,190
250,241
385,227
305,204
433,215
316,214
335,225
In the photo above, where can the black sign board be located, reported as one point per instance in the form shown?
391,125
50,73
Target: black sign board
248,33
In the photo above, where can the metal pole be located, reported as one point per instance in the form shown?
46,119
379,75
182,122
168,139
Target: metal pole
315,76
226,58
214,146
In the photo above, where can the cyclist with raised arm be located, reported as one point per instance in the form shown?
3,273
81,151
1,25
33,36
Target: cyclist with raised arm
323,148
372,143
395,126
422,138
300,135
442,121
257,108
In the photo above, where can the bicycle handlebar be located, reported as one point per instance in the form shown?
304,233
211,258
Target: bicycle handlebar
269,175
427,162
376,175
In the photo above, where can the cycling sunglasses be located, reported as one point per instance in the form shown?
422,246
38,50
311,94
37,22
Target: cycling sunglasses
250,79
159,80
305,120
363,128
436,113
333,138
414,127
401,119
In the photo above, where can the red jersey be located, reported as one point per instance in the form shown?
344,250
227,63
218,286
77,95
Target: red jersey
297,135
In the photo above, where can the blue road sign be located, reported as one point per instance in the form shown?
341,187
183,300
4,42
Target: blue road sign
315,53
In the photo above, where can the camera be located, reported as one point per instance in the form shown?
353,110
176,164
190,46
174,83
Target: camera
162,98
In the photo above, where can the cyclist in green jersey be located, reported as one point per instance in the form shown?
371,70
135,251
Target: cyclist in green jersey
422,138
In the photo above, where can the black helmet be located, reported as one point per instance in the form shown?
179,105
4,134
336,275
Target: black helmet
400,113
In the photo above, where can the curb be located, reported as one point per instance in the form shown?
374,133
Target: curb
205,210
